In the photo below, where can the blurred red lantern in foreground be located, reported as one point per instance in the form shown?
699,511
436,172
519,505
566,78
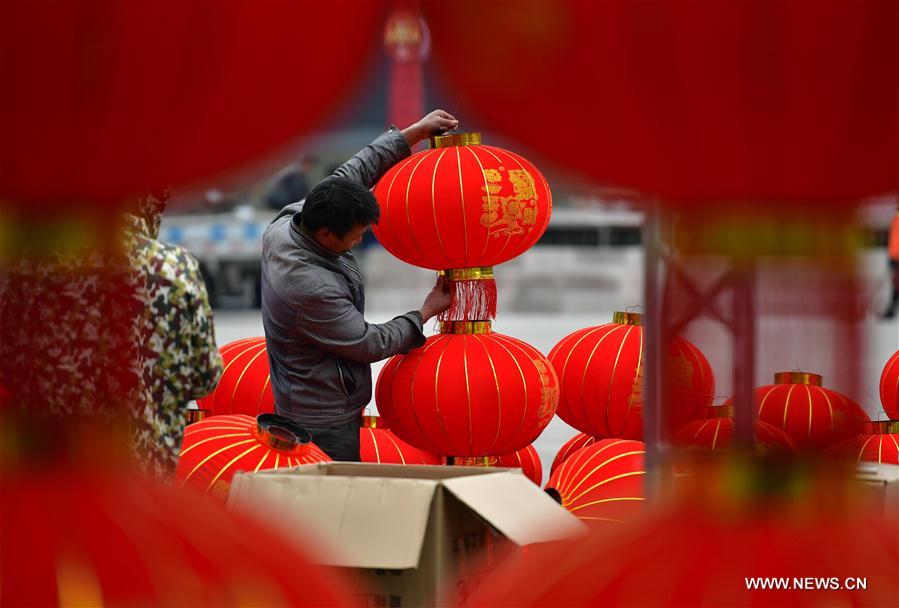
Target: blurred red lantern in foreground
889,387
601,376
245,386
463,207
782,103
716,433
131,109
571,446
525,459
602,482
468,394
378,444
813,416
879,443
217,447
72,538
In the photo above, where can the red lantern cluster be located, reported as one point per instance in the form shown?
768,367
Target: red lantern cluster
602,482
889,387
477,394
716,433
245,386
600,372
217,447
377,444
813,416
525,459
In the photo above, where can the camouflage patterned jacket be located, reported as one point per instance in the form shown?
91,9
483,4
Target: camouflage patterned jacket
180,361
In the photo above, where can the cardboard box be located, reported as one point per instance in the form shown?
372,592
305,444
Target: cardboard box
413,535
883,482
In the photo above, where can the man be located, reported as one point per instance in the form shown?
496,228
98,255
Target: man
179,358
319,345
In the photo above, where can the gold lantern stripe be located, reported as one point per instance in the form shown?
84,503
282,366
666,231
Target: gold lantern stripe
190,430
389,437
467,391
411,230
893,439
594,518
489,197
572,474
437,395
375,443
612,376
396,362
630,399
783,423
208,439
388,203
609,332
268,380
811,415
434,202
227,348
233,361
262,351
226,467
499,394
833,422
213,455
262,461
861,451
462,201
501,339
607,479
605,500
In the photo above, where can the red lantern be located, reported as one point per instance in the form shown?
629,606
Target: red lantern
525,459
148,94
93,538
581,440
217,447
602,482
716,433
600,372
695,102
378,444
463,207
813,416
879,443
468,394
245,386
889,387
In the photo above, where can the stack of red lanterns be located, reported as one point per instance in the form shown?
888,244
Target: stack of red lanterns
461,208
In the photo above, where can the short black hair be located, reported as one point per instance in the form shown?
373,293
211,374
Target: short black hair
339,204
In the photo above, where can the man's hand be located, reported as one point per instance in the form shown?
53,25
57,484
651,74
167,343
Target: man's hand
437,301
435,123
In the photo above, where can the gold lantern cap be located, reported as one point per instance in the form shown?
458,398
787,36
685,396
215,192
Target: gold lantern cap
882,427
721,411
627,318
475,273
465,327
373,422
455,139
797,378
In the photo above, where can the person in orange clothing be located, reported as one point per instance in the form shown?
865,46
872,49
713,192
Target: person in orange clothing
893,251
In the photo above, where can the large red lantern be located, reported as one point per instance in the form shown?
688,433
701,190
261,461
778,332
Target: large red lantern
217,447
82,537
716,433
601,376
602,482
878,443
783,103
245,386
137,95
377,444
889,387
813,416
468,394
463,207
525,459
581,440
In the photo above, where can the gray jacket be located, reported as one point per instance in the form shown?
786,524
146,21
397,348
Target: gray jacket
319,345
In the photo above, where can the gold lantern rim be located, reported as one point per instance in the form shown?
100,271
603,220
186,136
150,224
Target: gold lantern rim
465,327
882,427
475,273
627,318
798,378
455,139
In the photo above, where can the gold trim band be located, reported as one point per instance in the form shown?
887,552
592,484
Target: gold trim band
465,327
882,427
797,378
627,318
456,139
477,273
372,422
721,411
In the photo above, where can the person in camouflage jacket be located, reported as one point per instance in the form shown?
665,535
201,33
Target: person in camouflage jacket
179,358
